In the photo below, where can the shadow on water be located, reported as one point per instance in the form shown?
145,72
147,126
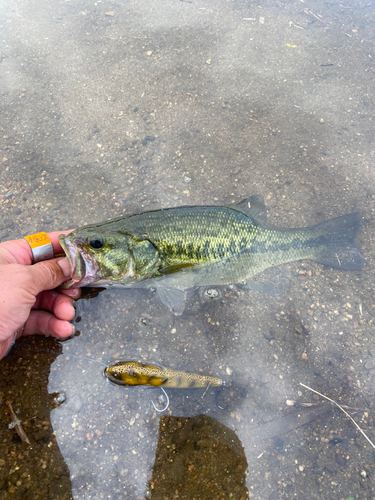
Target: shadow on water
149,105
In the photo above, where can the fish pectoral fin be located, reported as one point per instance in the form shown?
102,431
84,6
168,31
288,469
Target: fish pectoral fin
175,268
271,282
173,298
254,207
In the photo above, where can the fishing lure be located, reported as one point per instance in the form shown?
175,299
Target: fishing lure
135,373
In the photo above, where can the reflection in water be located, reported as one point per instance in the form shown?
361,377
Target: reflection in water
198,457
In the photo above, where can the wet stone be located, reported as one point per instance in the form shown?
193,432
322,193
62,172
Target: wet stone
273,496
211,293
144,321
352,434
148,138
42,436
331,468
370,364
59,399
340,459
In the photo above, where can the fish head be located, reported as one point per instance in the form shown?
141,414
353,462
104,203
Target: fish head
101,258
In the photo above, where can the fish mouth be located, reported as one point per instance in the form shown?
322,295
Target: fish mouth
83,267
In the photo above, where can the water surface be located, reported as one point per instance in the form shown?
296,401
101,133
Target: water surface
114,108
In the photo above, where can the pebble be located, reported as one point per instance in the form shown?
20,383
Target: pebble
370,364
211,293
330,468
340,459
59,399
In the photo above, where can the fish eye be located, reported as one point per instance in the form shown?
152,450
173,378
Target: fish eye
97,243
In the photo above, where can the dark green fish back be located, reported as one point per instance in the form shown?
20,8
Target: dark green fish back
194,234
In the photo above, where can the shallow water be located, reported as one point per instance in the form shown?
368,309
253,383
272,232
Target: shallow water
114,108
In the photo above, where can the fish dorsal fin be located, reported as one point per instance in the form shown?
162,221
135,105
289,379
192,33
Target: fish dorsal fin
254,207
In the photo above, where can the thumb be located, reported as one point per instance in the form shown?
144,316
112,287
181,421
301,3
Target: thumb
49,274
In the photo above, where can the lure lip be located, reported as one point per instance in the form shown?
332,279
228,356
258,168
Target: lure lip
111,378
114,380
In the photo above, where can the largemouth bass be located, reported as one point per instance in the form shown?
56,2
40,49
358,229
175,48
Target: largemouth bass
134,373
177,248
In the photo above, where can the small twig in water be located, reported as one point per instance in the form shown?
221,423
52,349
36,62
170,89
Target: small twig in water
308,11
16,424
295,25
342,409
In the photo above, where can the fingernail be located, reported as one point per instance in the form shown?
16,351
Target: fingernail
65,266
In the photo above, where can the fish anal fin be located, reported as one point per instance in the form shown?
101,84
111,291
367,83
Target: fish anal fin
173,298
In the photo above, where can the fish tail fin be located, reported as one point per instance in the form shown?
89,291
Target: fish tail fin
339,248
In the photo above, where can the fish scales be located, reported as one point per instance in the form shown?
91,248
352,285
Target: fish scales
194,234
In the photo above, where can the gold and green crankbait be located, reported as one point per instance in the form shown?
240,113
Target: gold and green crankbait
135,373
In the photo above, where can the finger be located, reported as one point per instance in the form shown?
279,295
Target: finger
45,323
75,293
19,251
54,237
60,305
5,346
48,274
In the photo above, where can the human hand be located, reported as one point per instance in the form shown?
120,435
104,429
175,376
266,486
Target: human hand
28,302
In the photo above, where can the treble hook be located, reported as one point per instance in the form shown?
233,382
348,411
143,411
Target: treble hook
166,395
